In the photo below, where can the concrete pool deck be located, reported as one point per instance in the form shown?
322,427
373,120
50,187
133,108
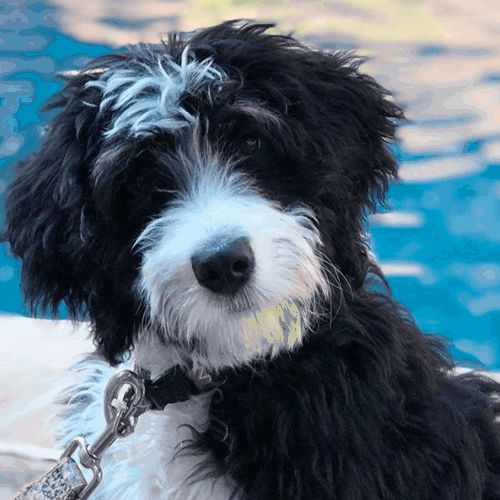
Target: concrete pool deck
37,352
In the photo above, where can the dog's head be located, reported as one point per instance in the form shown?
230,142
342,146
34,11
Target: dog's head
210,189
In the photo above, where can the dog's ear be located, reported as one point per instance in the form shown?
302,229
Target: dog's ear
373,119
45,208
357,118
49,222
353,120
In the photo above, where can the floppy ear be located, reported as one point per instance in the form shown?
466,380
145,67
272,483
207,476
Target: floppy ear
376,119
46,205
355,120
363,121
51,225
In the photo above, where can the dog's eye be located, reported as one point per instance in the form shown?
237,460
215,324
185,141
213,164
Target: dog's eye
250,145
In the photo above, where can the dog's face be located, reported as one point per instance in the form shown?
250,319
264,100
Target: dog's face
209,190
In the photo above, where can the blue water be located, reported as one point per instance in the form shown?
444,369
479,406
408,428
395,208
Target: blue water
442,257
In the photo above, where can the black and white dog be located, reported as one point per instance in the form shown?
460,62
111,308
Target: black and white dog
202,202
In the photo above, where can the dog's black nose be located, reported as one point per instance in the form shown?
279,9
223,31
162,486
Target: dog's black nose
224,268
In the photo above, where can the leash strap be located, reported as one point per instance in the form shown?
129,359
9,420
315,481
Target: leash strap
124,401
65,481
126,397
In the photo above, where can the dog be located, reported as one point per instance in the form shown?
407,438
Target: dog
202,202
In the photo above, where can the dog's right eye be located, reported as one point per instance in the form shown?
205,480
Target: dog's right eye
250,145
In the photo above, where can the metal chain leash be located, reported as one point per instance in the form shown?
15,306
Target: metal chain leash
124,401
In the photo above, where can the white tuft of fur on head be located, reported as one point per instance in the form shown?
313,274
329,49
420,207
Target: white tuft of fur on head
146,98
273,310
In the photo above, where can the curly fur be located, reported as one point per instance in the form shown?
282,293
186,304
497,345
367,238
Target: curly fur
365,405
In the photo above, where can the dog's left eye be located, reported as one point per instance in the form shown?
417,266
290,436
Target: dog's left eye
250,145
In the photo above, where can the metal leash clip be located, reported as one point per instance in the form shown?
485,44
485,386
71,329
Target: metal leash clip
124,402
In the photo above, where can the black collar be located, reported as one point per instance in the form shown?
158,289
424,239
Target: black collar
172,386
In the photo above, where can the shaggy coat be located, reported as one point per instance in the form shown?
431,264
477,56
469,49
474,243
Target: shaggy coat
339,395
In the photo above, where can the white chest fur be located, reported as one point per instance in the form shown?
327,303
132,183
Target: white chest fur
155,462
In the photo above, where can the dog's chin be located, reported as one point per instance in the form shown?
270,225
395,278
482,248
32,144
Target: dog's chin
231,334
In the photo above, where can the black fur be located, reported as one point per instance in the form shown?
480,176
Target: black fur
366,408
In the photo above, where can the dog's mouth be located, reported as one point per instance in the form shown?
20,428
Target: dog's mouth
237,308
237,303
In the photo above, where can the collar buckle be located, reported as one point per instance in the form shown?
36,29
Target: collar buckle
172,386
